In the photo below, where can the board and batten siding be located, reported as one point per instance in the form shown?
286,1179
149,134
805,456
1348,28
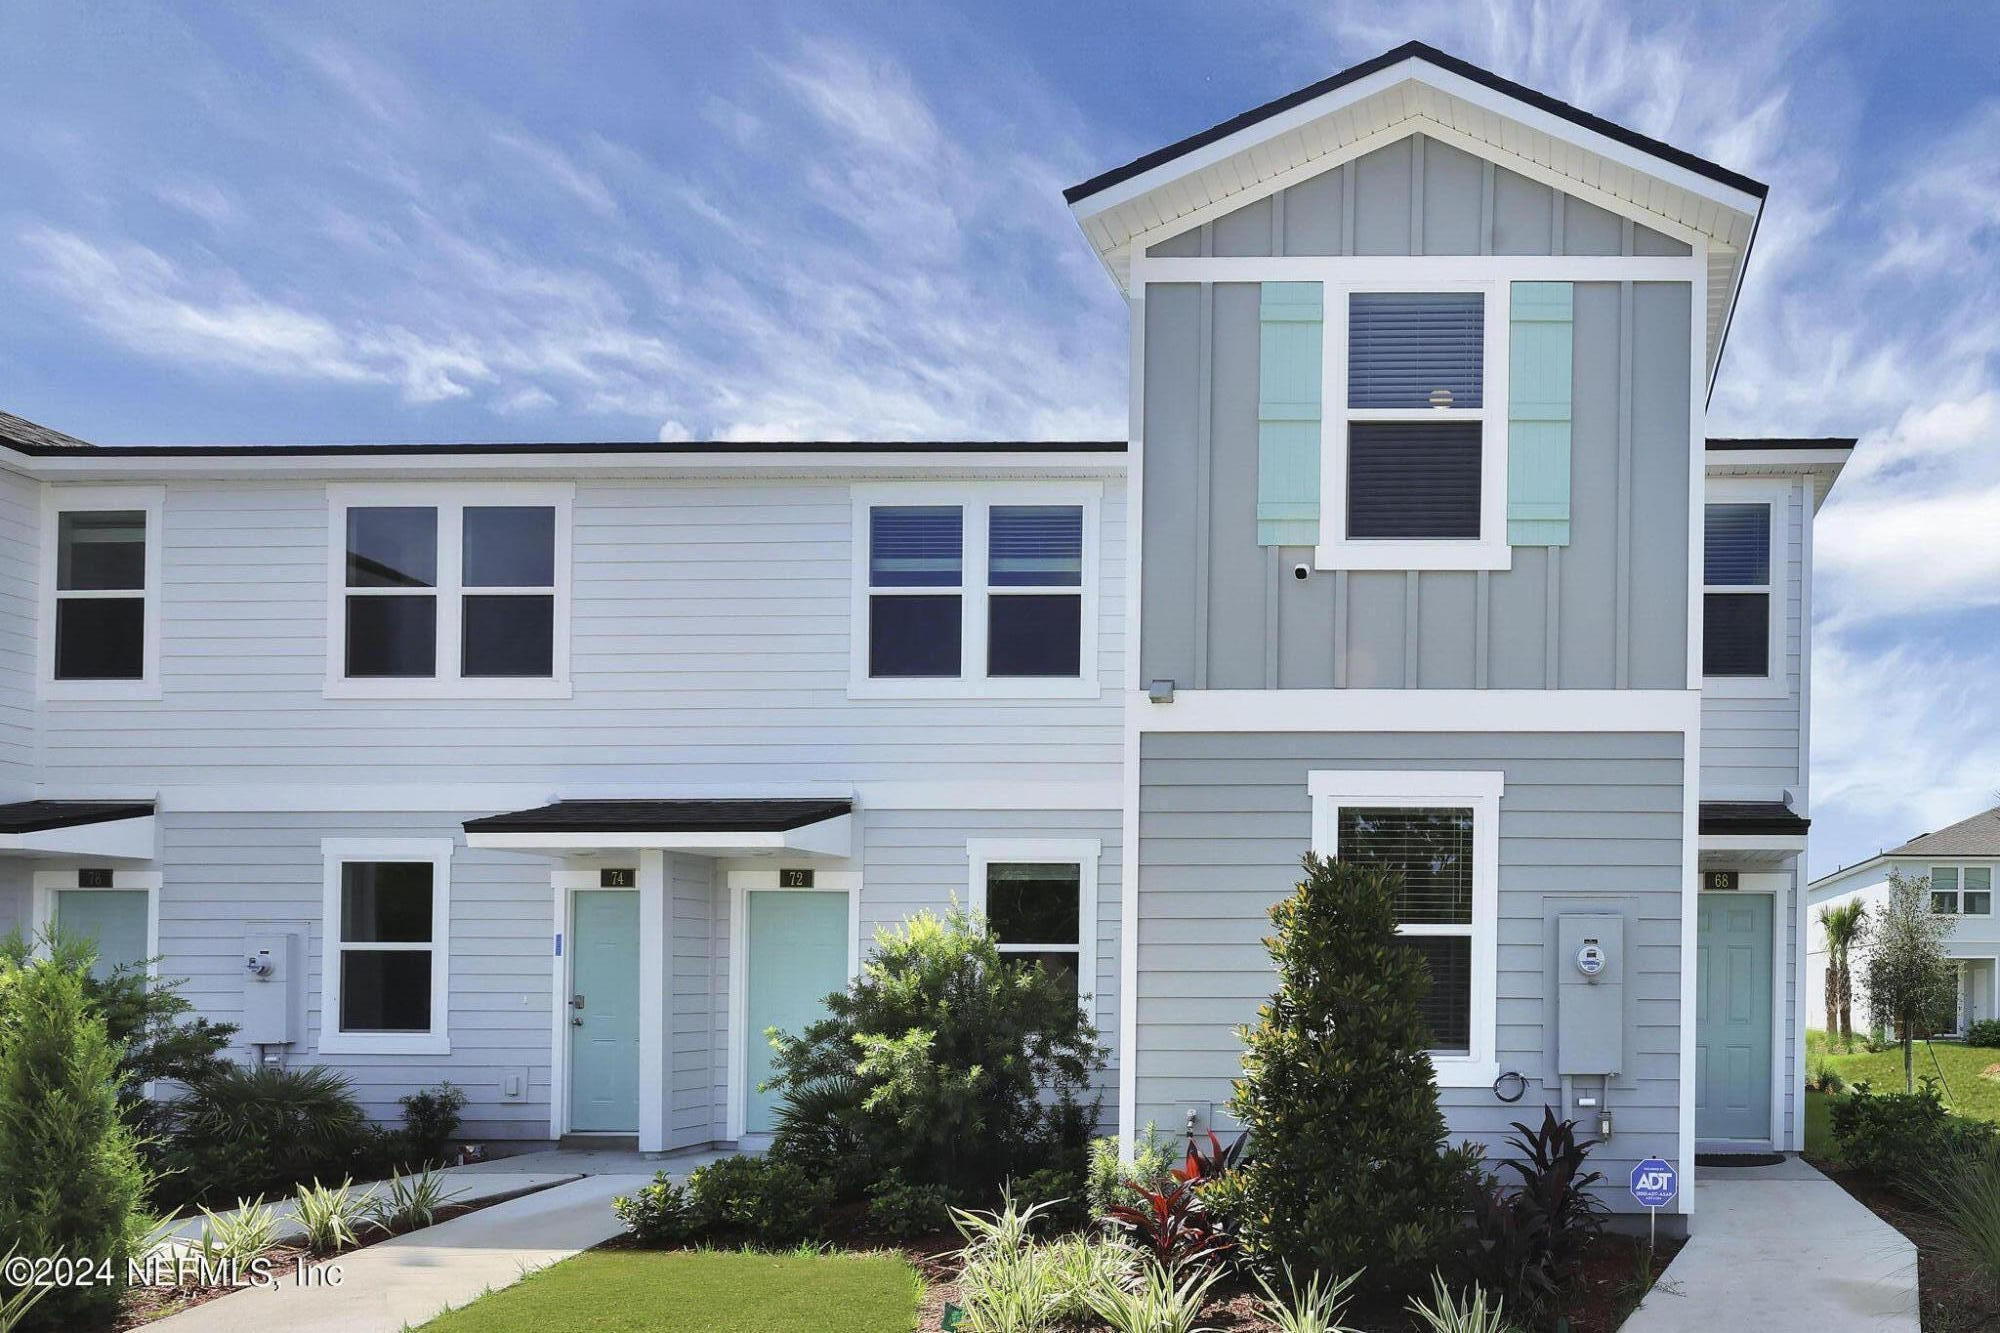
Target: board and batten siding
1750,748
1589,822
1221,612
710,634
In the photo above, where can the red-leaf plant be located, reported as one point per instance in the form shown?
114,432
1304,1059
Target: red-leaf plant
1174,1226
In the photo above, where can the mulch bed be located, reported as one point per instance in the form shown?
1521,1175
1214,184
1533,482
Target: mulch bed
1950,1299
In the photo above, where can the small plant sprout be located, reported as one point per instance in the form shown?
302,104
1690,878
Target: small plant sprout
410,1202
331,1216
241,1237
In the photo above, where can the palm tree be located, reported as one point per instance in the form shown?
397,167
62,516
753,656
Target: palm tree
1844,926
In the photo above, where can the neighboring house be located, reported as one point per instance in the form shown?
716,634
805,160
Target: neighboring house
563,771
1960,862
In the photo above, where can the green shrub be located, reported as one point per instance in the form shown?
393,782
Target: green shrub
1368,1185
1110,1180
1983,1032
1821,1076
264,1131
1900,1136
659,1214
902,1211
71,1183
430,1121
770,1202
944,1063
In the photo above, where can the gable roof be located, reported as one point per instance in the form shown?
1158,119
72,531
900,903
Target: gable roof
1976,836
1412,89
32,437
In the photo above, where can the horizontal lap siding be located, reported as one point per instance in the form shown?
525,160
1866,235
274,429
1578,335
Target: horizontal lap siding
1588,823
710,634
20,526
916,861
1750,747
698,1010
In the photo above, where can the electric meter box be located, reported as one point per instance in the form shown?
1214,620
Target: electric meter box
1590,994
274,987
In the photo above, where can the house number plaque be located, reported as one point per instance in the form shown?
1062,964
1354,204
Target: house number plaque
795,879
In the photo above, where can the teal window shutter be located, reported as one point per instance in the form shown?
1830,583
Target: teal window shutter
1539,347
1288,411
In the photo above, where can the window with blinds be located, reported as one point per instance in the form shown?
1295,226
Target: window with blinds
1431,849
915,552
1737,590
1416,394
1034,602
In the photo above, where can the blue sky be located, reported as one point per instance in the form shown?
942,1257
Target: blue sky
539,221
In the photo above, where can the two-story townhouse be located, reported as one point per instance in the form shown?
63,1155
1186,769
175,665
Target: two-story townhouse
563,771
1436,568
1959,862
560,772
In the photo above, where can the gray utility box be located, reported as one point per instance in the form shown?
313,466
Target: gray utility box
1590,996
274,987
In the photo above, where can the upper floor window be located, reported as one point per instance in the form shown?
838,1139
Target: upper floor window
974,593
1962,890
1743,591
460,594
101,567
1441,832
1417,473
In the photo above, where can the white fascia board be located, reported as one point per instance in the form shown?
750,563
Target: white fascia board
447,465
134,839
1720,462
1420,710
1753,842
828,837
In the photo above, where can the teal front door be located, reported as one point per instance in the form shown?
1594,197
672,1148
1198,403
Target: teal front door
604,1012
113,920
1733,1017
794,957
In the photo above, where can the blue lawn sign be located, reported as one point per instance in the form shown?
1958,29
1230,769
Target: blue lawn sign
1654,1183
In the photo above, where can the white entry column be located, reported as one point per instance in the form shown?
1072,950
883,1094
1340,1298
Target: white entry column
653,982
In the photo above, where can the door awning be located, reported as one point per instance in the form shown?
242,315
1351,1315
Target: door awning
728,826
116,830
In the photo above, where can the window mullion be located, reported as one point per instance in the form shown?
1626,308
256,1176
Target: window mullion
451,590
973,580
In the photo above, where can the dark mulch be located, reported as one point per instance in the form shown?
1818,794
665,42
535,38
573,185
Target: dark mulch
1950,1297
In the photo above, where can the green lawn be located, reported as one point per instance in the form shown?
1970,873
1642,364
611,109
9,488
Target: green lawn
1966,1088
641,1291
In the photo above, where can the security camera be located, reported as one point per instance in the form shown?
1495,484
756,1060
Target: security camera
1302,572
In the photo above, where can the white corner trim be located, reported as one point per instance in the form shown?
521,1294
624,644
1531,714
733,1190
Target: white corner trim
58,500
334,853
1419,710
1331,789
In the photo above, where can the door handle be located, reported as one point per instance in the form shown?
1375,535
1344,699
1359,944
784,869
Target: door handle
577,1021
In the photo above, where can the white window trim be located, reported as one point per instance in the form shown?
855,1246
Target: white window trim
58,500
1084,853
450,499
1775,495
1959,891
47,883
976,501
1490,550
337,852
1480,791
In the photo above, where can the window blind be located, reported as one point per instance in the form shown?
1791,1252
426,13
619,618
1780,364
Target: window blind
915,546
1431,848
1413,479
1737,545
1402,347
1035,546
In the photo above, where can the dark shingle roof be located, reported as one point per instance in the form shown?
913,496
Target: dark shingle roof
747,815
37,816
29,435
1977,836
1422,51
1751,817
55,441
1827,442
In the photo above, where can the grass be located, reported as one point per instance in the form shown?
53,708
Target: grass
1820,1146
1966,1089
630,1291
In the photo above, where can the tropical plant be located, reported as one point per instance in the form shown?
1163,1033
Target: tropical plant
1912,982
71,1183
659,1214
1372,1185
1161,1300
407,1203
240,1237
1315,1307
944,1062
1525,1240
262,1131
430,1119
1172,1227
1003,1285
1111,1180
330,1215
1845,925
1447,1313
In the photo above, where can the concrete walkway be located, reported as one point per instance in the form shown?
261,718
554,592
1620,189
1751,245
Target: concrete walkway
405,1281
1782,1247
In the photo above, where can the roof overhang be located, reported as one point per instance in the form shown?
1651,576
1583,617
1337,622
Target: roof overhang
747,826
1746,835
113,830
1819,459
1417,88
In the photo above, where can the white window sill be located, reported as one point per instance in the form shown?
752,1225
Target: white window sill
1457,1071
384,1043
1022,688
498,687
1407,555
100,689
1745,687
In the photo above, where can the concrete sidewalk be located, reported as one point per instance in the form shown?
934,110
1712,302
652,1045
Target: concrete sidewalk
1778,1248
408,1280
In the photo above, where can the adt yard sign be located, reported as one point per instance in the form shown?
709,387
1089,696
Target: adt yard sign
1654,1183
